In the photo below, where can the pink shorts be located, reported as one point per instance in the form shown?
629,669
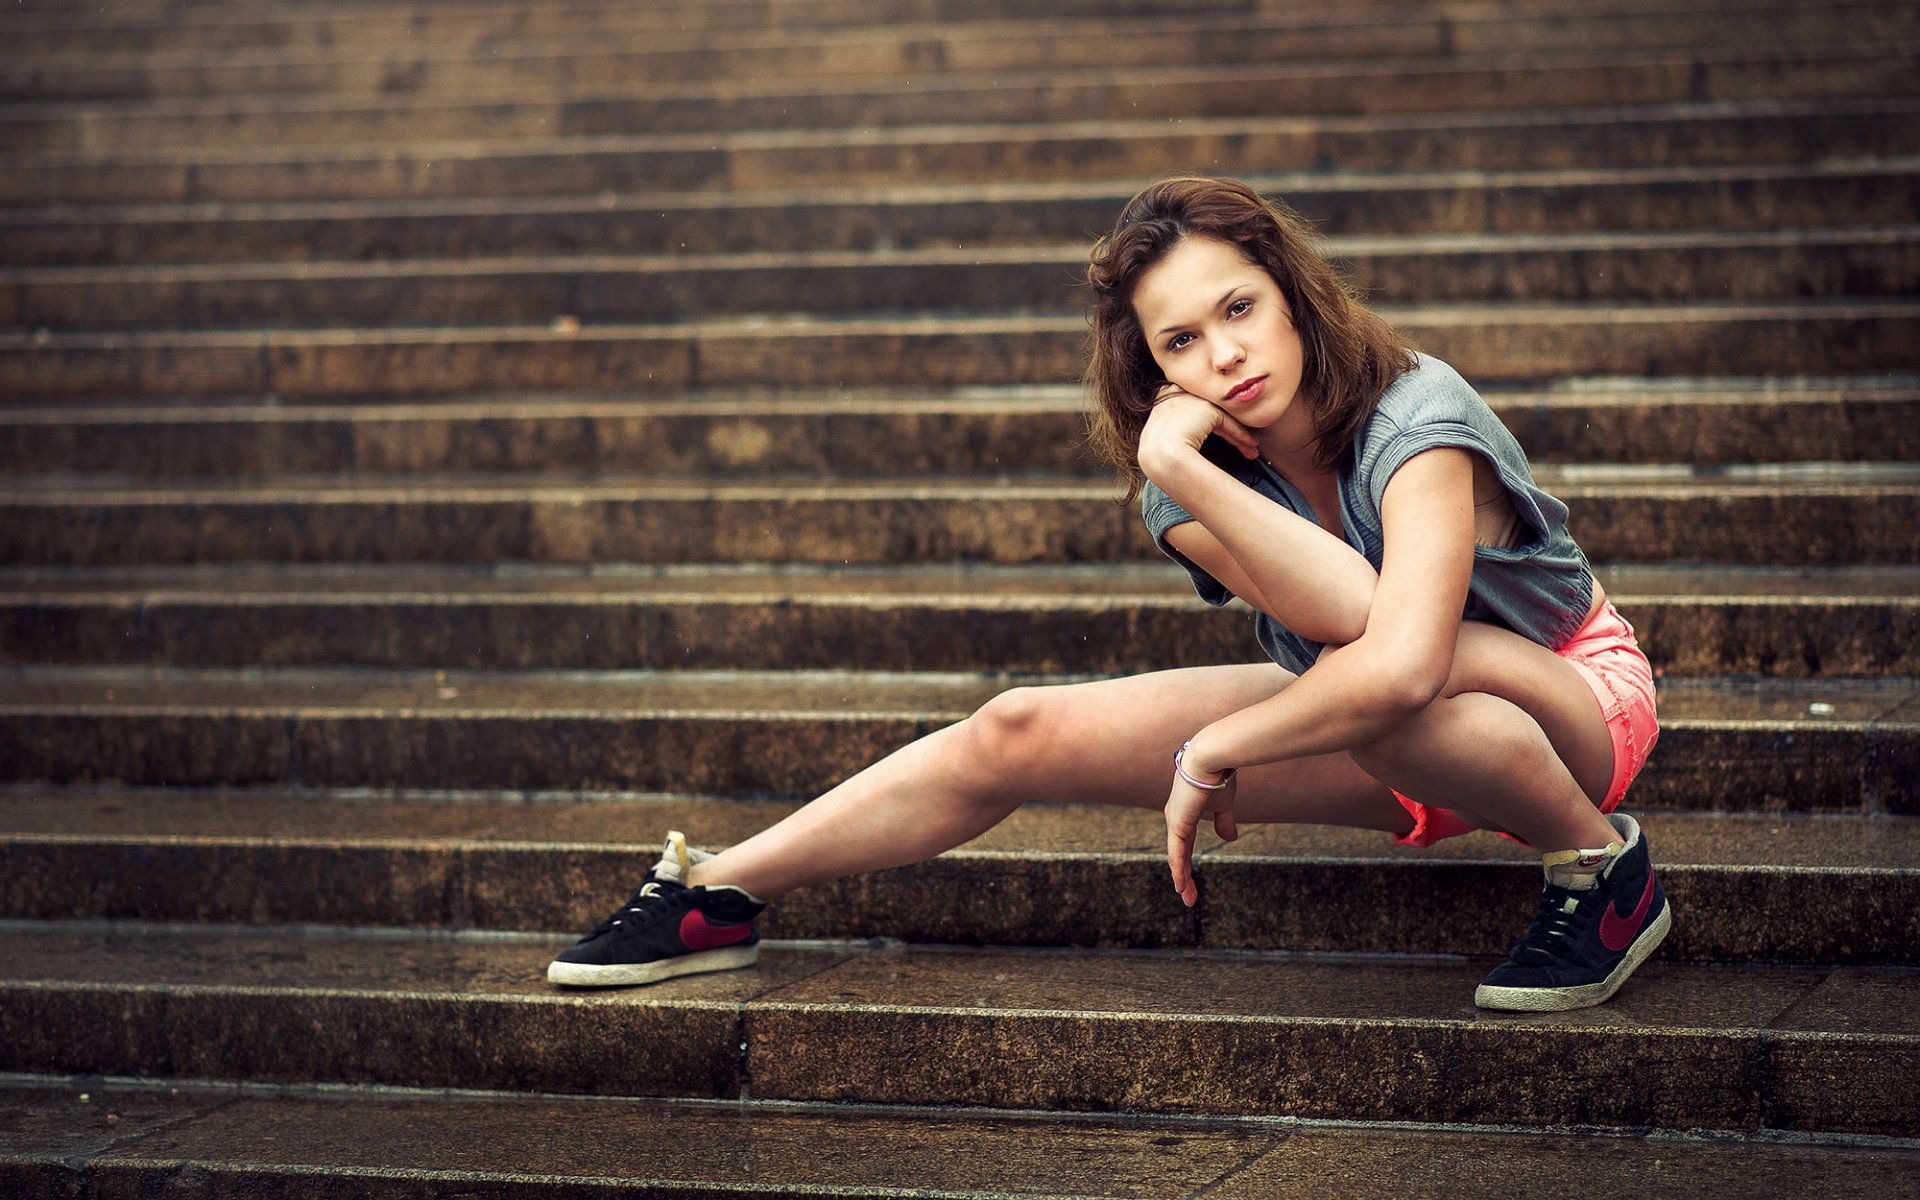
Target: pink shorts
1610,660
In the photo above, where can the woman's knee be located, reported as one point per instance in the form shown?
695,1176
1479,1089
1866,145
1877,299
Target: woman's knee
1011,730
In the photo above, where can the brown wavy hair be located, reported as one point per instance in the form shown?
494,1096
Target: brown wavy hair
1351,354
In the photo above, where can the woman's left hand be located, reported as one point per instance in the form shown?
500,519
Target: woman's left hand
1180,421
1186,805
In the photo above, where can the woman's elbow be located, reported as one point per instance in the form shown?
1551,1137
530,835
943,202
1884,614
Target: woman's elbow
1393,687
1409,693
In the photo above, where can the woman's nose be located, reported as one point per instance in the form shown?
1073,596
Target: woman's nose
1228,354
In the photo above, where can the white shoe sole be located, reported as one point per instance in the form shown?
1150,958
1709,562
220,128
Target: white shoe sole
1512,999
727,958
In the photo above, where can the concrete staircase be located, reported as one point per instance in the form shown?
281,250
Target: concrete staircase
447,444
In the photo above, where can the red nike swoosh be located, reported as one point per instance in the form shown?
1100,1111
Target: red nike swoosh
700,934
1617,932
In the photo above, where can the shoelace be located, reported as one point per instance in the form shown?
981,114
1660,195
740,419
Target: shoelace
645,907
1558,926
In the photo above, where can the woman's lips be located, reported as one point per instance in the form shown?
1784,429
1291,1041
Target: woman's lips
1248,391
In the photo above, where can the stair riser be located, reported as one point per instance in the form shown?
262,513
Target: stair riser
1044,1061
533,1147
299,29
433,1041
1705,638
1385,1070
742,444
927,441
1744,766
579,63
1488,347
1618,140
1424,86
1864,265
1514,204
1405,907
1788,526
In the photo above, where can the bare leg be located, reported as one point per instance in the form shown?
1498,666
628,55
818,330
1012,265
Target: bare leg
1514,743
1106,742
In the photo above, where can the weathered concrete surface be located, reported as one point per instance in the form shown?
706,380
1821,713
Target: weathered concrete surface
1068,1030
1085,618
1756,196
1773,745
235,1142
1751,888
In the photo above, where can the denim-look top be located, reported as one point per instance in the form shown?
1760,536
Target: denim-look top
1541,588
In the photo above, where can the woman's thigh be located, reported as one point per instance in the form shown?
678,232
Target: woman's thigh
1548,688
1112,742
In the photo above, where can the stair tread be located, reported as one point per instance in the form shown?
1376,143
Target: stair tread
1051,585
1566,480
80,130
1571,393
1002,192
695,102
553,1145
1544,121
1051,255
1692,841
800,325
1666,999
982,42
1888,702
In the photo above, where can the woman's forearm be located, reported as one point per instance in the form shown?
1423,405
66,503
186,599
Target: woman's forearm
1348,698
1310,581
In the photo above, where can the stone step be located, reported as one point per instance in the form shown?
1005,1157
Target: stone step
311,29
1762,131
1693,621
1569,201
1804,745
736,434
574,62
1053,875
602,289
1769,515
1493,345
1831,1050
139,27
123,1138
1559,78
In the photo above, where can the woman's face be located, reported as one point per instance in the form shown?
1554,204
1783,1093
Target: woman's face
1220,329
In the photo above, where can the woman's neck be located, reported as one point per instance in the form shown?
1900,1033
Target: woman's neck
1291,448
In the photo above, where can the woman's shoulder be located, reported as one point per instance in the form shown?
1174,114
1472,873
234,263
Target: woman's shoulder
1429,407
1431,391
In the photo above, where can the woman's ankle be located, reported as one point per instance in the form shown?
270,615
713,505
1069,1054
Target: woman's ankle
709,875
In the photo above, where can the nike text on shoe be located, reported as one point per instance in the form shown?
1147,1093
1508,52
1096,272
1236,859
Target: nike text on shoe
665,929
1586,940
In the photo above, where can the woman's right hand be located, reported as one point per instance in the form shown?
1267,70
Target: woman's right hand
1180,422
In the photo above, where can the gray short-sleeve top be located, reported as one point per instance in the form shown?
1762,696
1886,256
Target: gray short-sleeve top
1540,588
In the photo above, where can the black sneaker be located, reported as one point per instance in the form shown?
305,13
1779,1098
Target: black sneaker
665,929
1585,941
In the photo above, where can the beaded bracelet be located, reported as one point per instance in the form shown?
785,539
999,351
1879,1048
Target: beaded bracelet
1226,776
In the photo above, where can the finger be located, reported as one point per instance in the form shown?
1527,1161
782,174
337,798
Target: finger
1226,826
1242,437
1180,858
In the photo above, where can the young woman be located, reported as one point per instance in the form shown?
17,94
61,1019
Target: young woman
1442,658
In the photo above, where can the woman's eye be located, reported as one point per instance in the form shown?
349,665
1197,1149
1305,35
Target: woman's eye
1238,307
1178,340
